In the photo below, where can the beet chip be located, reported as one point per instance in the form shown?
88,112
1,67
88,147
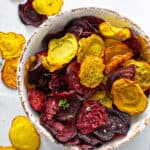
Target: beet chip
29,16
90,139
126,72
118,124
134,44
36,99
63,132
91,116
50,109
74,83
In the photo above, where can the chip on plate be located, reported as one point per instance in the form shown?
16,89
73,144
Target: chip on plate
6,148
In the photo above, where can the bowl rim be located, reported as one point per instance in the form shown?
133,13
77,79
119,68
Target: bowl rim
141,125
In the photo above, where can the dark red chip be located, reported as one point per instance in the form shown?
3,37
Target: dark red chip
126,72
91,116
118,124
63,132
90,139
70,112
29,16
50,109
36,99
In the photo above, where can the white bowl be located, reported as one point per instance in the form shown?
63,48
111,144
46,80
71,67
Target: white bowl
54,24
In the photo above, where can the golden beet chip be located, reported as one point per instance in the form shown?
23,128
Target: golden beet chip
9,72
128,96
6,148
99,94
23,135
116,55
60,52
47,7
92,45
142,75
109,31
111,42
11,45
91,71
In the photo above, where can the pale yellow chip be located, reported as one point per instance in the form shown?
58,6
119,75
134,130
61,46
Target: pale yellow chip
128,96
47,7
106,101
6,148
92,45
110,31
61,51
9,73
142,74
23,135
11,45
91,71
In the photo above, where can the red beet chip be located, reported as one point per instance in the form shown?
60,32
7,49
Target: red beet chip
91,116
75,141
63,132
90,139
82,92
86,147
50,109
36,99
134,44
126,72
118,124
29,16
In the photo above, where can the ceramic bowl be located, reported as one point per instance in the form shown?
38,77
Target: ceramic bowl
54,24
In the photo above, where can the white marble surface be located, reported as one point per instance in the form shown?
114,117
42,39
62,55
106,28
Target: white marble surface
136,10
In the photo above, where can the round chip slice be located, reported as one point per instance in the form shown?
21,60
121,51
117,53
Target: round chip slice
47,7
128,96
60,52
11,45
23,135
142,75
9,72
91,71
7,148
92,45
109,31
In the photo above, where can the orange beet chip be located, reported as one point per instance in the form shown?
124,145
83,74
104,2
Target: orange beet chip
9,72
116,55
109,31
11,45
47,7
128,96
111,42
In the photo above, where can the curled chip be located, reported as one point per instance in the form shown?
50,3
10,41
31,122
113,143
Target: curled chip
116,55
47,7
111,42
7,148
91,71
60,52
109,31
23,135
11,45
93,45
9,72
128,96
142,74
